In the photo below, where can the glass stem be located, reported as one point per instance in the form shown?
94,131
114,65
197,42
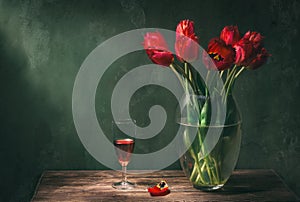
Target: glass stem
124,170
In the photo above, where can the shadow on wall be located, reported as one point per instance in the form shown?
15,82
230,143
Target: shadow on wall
21,145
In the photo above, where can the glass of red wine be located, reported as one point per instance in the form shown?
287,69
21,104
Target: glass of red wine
124,132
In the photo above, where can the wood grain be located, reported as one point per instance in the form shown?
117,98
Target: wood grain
244,185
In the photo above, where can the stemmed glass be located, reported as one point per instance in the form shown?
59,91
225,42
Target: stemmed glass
124,145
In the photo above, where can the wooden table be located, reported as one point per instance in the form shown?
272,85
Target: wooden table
244,185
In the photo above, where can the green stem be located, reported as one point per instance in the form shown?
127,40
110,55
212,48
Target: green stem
186,71
210,81
239,72
188,76
230,73
208,162
234,76
209,173
217,169
221,74
196,173
196,169
177,75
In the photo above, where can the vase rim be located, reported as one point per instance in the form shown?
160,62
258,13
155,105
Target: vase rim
211,125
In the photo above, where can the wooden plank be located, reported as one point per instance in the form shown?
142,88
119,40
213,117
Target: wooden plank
244,185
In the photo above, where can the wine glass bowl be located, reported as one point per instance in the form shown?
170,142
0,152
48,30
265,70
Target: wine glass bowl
124,148
124,132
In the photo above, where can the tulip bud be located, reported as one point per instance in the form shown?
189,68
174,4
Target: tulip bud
230,35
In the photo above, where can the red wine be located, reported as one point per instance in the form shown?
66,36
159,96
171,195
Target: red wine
124,148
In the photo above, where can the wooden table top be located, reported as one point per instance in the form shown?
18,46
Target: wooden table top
91,185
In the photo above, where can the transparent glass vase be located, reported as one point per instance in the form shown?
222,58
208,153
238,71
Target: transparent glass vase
212,147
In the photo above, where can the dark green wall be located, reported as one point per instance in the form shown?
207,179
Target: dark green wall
44,42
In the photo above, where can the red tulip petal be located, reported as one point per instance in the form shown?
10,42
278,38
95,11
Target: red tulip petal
157,49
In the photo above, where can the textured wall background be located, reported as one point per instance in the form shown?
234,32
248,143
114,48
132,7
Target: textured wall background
44,42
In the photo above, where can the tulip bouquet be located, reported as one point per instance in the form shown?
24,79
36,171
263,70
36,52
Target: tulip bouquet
229,53
227,56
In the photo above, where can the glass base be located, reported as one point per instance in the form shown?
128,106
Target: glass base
209,188
123,185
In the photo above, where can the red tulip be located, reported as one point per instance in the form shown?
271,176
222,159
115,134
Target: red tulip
186,28
222,55
186,46
243,52
230,35
259,60
255,38
157,49
249,51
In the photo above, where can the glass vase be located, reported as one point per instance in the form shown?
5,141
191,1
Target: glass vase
212,147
